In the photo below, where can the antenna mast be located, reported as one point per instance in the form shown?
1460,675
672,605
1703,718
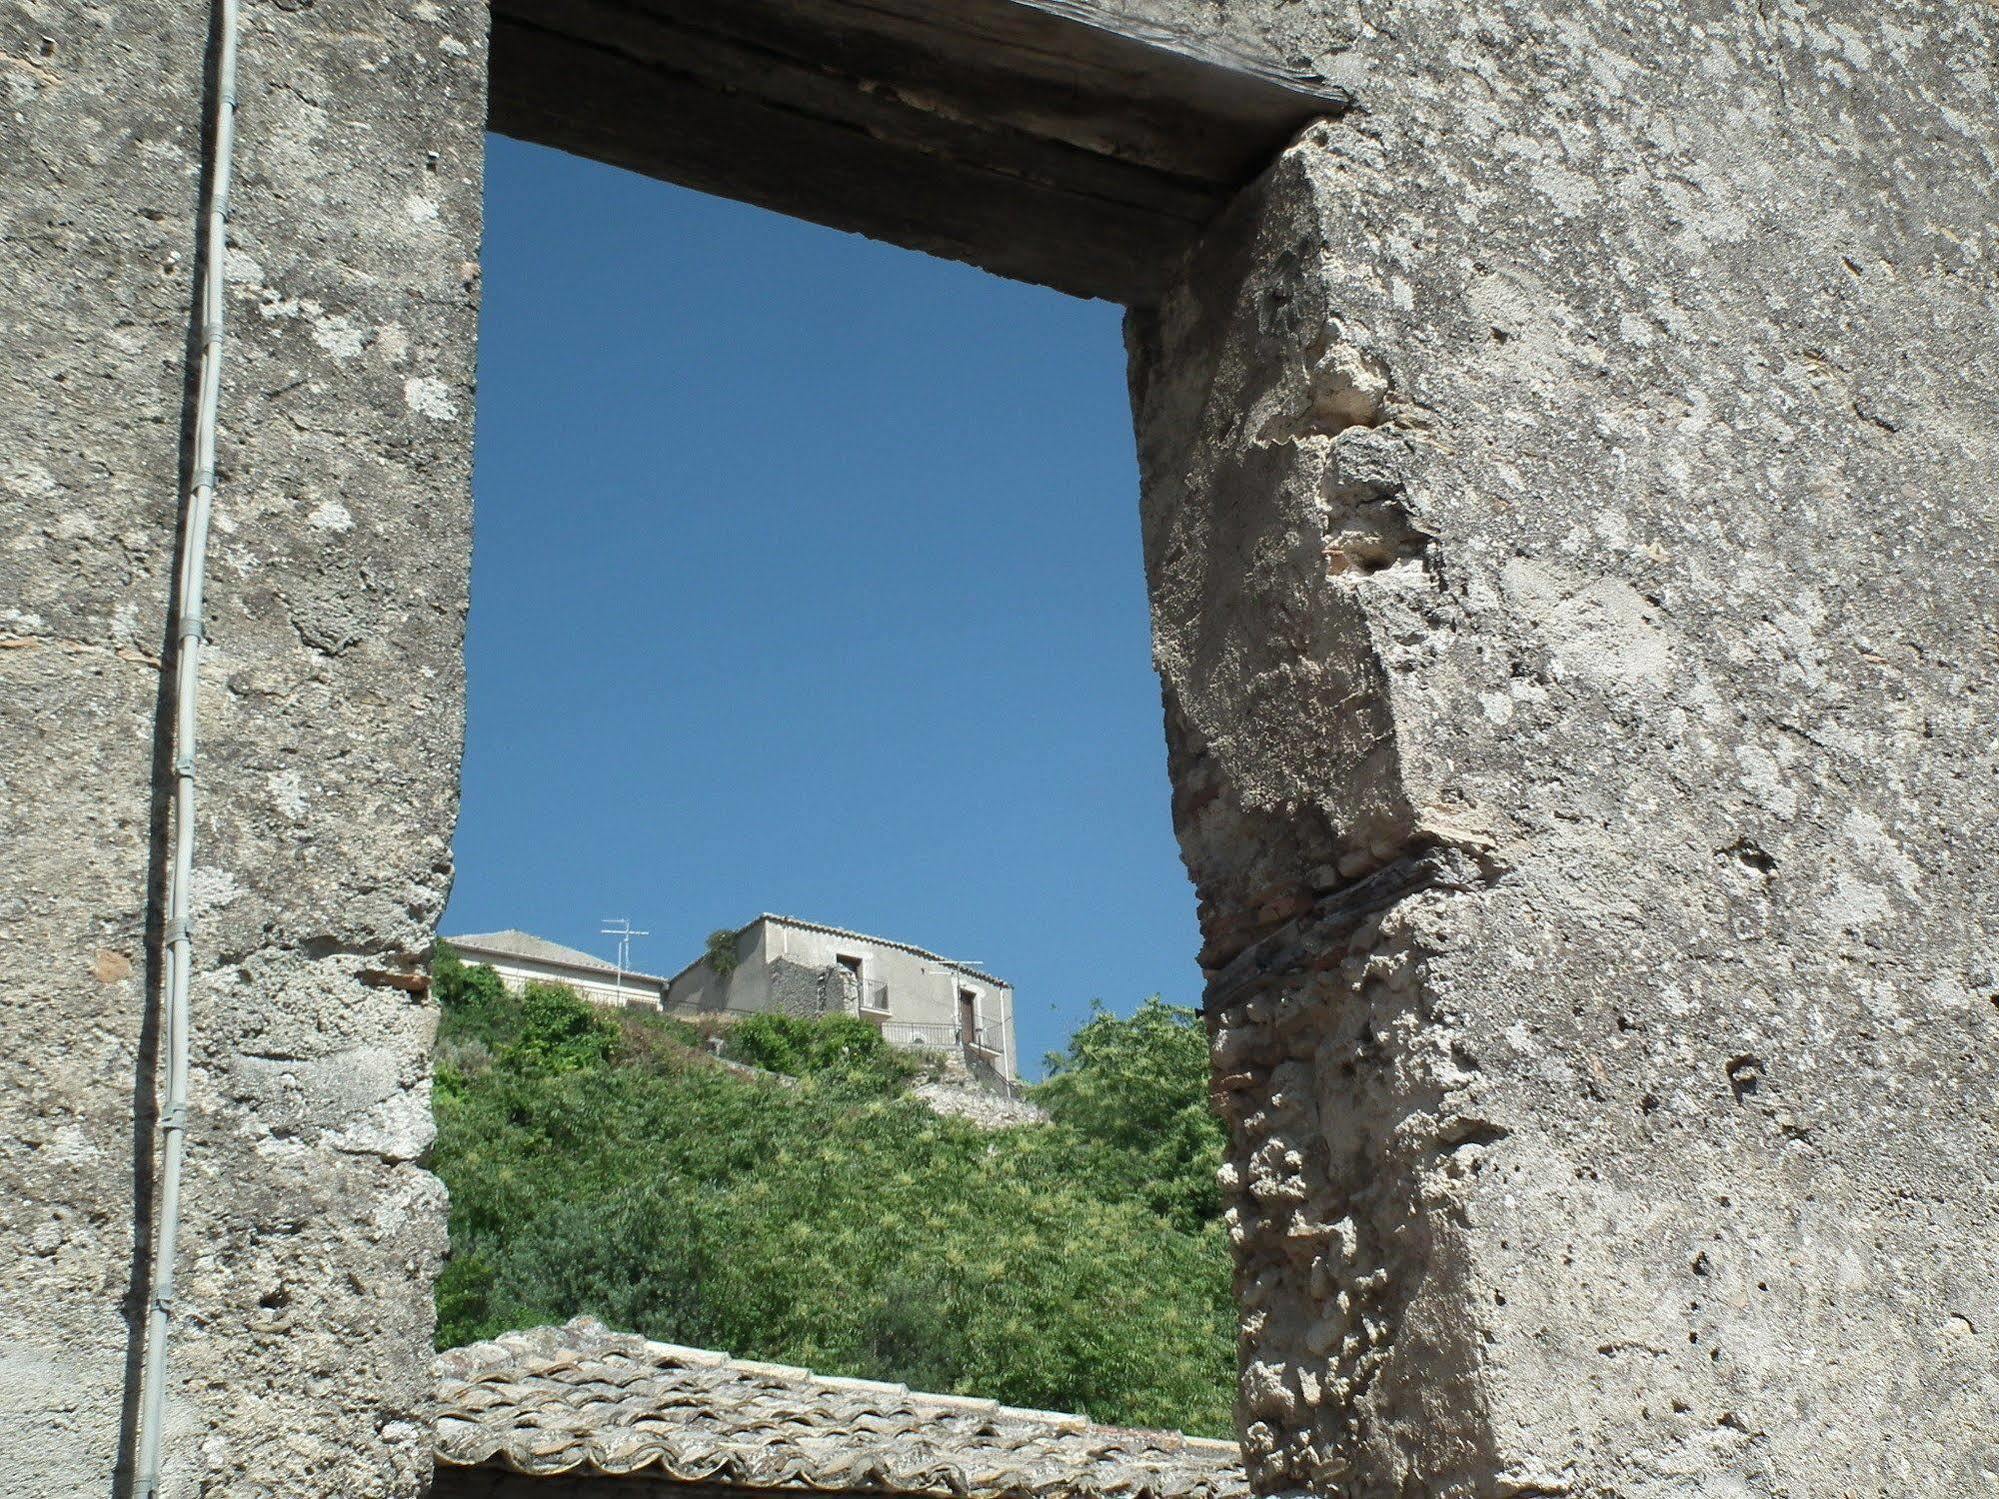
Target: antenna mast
621,928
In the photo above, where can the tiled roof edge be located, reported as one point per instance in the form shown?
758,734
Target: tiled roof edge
471,942
841,931
908,947
798,1374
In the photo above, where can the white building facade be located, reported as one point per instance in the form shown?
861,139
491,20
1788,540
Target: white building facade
520,958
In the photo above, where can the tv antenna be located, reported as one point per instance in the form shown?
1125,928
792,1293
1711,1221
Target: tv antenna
621,928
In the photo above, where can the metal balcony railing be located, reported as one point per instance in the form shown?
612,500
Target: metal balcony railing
921,1034
940,1035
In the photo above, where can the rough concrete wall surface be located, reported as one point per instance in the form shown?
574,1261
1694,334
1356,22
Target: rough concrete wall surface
1569,511
331,721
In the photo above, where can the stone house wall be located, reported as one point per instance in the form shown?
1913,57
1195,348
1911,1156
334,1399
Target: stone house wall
780,960
796,989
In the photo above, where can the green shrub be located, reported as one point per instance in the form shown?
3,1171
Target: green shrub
722,954
561,1033
472,995
841,1049
478,1017
1139,1087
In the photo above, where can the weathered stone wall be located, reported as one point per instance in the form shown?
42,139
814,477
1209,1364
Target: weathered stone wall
1569,510
331,721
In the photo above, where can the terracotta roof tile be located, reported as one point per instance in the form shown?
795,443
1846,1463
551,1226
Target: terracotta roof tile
582,1400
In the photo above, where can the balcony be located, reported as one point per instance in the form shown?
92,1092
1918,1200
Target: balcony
942,1036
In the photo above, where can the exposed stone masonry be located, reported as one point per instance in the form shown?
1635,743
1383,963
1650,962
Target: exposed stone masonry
980,1103
1351,1124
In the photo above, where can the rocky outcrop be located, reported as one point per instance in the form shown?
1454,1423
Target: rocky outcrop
979,1104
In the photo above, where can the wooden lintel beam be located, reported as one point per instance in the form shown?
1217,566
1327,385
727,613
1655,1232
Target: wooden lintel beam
1036,138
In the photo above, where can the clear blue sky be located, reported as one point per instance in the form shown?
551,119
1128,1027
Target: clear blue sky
806,579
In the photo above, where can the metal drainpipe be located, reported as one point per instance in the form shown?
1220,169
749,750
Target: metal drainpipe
187,670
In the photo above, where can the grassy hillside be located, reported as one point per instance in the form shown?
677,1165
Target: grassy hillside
599,1163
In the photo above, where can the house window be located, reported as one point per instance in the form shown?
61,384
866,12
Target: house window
869,998
968,1017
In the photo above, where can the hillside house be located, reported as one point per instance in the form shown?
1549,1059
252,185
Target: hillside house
520,957
918,999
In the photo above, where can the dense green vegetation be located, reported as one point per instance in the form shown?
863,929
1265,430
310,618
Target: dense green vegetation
837,1050
600,1162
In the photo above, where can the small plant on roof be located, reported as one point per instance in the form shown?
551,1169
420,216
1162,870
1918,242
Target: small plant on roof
722,954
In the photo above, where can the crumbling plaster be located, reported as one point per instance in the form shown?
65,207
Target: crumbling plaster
1568,508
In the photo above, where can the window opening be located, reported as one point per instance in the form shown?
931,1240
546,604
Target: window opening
740,545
